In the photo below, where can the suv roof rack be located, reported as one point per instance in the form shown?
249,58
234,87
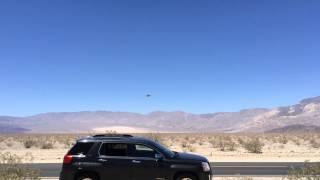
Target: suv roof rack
112,135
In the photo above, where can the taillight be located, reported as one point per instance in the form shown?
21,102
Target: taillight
67,159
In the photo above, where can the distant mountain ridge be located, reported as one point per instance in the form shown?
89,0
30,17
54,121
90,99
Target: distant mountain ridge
306,112
297,128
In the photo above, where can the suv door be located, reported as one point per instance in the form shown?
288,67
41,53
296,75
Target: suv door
115,161
144,163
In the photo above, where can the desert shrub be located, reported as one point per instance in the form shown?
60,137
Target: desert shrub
11,170
187,147
241,141
46,145
68,142
283,140
274,140
29,143
191,148
254,145
296,141
187,138
309,171
184,144
226,144
214,142
221,145
314,143
192,141
9,144
157,138
306,137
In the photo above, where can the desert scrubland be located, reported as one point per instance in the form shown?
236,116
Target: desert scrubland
50,148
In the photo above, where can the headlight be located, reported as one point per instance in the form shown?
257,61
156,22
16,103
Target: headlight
205,166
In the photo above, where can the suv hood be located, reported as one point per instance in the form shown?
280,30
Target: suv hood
187,156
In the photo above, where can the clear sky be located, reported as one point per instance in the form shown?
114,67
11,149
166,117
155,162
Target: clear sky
194,56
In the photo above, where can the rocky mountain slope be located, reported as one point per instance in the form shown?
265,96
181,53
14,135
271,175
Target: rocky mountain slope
298,128
306,112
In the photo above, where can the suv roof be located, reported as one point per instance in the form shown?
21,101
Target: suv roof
114,137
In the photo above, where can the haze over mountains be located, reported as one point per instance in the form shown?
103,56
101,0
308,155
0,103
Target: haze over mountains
304,114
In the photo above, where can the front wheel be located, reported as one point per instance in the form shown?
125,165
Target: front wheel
186,177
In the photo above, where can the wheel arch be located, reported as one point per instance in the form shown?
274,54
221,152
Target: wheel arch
177,174
93,173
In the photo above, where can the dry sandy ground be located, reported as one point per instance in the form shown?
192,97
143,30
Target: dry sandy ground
56,156
272,151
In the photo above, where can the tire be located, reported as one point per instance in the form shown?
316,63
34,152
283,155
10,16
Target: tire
186,177
87,177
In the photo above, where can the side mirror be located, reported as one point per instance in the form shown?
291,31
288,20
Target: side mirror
158,157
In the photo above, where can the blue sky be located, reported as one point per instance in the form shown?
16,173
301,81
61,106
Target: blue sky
195,56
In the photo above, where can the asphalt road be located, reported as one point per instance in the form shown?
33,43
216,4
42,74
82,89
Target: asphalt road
253,168
219,168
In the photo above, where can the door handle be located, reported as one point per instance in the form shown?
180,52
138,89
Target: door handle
135,161
102,160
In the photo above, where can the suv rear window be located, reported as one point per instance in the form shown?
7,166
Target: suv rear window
81,148
114,149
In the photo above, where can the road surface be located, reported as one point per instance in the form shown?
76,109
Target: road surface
219,168
253,168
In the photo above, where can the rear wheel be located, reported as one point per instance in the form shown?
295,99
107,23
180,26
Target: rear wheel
87,177
186,177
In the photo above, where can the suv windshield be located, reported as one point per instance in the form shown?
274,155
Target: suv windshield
165,150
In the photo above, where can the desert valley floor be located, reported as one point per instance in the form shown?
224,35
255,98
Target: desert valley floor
50,148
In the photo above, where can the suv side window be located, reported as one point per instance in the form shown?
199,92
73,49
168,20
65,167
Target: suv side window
81,148
142,151
114,149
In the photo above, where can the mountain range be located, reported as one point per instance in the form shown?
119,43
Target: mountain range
305,114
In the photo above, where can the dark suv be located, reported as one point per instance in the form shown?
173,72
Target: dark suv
125,157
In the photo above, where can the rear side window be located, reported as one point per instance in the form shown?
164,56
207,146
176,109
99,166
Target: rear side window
114,149
81,148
